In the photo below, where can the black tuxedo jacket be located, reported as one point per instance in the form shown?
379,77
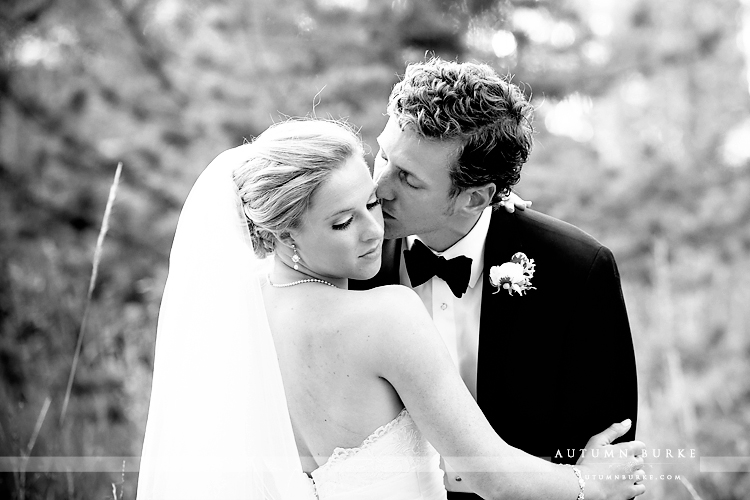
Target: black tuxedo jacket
556,365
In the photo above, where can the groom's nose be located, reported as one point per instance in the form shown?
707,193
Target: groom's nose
374,229
384,179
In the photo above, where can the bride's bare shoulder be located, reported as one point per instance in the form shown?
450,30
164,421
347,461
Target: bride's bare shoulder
391,295
387,290
391,328
394,306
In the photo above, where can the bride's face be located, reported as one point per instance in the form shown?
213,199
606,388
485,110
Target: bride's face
341,235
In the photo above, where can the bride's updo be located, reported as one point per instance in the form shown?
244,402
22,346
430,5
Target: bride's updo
286,165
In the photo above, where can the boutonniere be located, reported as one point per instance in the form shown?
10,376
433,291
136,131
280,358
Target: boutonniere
514,276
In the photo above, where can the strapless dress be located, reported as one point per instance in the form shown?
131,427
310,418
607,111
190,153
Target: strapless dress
395,462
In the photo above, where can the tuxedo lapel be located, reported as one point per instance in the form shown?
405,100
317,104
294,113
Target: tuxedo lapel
389,269
498,320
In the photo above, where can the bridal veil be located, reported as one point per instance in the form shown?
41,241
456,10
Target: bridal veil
218,424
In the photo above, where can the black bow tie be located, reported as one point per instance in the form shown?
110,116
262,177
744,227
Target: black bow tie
422,264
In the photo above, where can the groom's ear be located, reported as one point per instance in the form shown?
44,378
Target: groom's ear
479,197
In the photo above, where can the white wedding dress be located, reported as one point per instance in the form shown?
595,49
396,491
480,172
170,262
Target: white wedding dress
395,463
218,424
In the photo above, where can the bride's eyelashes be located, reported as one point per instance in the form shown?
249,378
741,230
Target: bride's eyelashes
343,225
347,223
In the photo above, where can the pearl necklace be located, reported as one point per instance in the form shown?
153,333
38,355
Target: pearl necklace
299,282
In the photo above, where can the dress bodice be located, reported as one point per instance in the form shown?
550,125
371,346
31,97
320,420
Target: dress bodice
395,462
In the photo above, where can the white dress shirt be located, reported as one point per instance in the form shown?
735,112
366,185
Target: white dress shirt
457,319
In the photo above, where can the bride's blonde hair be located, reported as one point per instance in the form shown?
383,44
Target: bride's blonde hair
287,164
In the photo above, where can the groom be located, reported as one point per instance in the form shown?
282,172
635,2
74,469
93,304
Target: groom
549,361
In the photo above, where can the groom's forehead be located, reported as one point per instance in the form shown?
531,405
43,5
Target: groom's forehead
432,149
441,155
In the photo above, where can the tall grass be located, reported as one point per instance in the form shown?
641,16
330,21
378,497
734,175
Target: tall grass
20,475
92,284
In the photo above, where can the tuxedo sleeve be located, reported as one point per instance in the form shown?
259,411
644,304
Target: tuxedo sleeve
608,373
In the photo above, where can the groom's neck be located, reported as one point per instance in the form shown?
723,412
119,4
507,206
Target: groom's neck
447,236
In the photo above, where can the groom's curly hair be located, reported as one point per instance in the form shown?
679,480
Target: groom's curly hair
487,114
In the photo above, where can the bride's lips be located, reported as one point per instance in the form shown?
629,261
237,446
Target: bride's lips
372,253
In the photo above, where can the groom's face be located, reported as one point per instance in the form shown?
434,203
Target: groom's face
414,183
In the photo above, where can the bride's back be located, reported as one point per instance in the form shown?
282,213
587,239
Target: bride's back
326,343
309,198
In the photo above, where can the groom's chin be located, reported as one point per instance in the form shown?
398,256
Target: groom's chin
393,230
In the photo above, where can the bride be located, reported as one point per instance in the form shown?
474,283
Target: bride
272,380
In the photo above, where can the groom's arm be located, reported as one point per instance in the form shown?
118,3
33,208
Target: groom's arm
606,338
610,307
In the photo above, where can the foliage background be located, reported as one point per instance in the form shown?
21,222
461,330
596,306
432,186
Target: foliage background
643,118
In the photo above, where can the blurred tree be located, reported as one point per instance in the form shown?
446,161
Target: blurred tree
637,104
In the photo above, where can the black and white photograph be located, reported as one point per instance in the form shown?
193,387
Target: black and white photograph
374,249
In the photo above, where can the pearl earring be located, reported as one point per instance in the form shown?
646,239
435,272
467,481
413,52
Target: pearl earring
295,257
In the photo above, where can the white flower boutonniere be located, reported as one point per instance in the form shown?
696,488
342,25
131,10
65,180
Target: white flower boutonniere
514,276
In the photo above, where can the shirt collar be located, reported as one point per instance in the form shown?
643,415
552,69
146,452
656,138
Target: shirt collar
471,245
